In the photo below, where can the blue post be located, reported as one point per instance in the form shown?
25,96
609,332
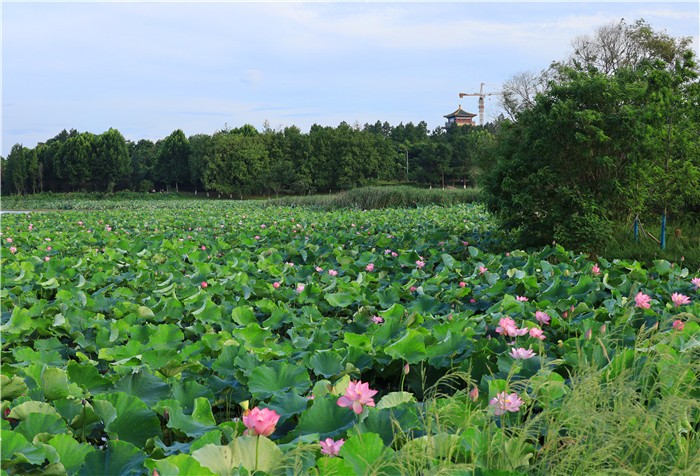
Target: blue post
636,229
663,231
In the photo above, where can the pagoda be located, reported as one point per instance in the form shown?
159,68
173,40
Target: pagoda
460,117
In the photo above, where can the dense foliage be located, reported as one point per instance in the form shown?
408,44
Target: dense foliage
201,337
606,141
243,161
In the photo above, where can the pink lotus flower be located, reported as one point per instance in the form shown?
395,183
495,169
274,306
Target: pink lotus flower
13,250
678,325
542,317
413,289
679,299
507,326
370,267
521,298
300,287
276,285
377,319
420,264
642,300
474,394
503,402
330,447
46,258
595,270
482,269
204,284
357,395
472,300
521,353
332,272
9,240
319,269
462,284
695,282
537,333
394,254
260,421
204,248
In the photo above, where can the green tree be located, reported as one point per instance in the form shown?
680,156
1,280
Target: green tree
173,160
577,160
111,162
17,169
144,156
74,160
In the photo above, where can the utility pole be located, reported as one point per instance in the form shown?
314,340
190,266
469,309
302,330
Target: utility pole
481,95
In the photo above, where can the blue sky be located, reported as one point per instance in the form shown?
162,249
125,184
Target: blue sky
148,68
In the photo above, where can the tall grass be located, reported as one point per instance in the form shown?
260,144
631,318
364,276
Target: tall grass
683,249
366,198
634,412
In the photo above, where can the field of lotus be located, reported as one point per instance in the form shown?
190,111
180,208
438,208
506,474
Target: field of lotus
237,338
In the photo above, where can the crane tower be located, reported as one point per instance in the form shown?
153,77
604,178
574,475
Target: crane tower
481,95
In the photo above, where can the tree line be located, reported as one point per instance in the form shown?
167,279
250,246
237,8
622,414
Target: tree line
246,162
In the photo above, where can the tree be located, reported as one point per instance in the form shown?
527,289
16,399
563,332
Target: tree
143,162
577,159
173,160
74,160
111,163
17,169
618,45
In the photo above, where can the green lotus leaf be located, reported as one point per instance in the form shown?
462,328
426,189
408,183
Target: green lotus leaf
12,388
181,464
365,452
119,458
243,315
340,299
333,467
16,449
394,399
288,404
195,425
71,453
87,376
24,409
326,418
326,362
254,453
134,421
143,385
36,423
266,380
409,348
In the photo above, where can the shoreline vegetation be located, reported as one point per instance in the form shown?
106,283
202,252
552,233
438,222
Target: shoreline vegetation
683,238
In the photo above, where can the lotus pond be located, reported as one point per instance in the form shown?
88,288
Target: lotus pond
236,338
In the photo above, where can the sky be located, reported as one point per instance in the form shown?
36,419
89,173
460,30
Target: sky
149,68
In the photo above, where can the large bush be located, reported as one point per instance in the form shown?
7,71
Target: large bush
598,146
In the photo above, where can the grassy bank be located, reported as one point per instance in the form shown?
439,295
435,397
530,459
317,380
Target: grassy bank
367,198
682,248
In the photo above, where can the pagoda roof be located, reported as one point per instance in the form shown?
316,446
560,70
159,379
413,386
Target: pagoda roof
460,113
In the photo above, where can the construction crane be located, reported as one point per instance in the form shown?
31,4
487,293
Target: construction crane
481,95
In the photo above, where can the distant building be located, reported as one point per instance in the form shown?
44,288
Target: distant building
460,117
